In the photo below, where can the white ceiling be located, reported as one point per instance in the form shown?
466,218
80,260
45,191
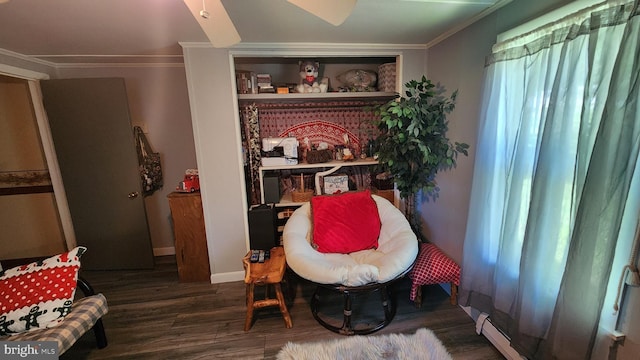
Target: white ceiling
67,31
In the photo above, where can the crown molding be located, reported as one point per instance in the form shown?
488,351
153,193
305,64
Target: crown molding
98,61
124,61
89,61
88,65
21,73
310,46
28,58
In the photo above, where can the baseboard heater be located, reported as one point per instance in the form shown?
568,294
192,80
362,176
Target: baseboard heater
495,336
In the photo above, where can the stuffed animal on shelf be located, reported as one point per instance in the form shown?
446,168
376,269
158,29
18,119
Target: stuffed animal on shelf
309,81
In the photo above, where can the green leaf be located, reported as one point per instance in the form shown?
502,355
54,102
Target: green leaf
413,137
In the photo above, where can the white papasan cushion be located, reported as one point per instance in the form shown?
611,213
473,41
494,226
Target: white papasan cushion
397,250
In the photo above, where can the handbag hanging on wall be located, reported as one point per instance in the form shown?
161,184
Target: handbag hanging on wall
149,161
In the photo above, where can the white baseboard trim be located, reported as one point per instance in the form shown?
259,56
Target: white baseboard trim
164,251
496,338
215,278
227,277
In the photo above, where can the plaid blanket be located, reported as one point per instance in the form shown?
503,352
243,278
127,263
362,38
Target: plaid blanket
84,314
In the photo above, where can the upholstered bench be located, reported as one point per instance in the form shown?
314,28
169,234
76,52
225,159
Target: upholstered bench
86,314
433,267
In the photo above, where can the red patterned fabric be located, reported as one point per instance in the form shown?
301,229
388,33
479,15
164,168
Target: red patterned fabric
321,131
432,267
40,294
345,223
275,122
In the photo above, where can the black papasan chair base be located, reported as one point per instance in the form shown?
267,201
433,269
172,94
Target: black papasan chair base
387,301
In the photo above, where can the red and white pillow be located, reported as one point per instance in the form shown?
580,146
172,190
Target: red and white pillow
38,295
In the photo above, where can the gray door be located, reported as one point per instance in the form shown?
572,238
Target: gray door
94,143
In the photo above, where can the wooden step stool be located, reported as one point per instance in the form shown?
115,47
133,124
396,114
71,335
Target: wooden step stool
269,273
432,266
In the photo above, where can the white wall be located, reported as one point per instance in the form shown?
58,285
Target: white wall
458,65
216,129
218,149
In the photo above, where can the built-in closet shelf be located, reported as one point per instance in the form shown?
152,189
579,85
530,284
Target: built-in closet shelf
329,96
329,164
323,169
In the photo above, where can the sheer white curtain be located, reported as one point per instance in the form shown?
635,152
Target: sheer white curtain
557,153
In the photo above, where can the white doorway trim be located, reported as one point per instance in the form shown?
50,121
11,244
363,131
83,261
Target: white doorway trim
52,164
25,74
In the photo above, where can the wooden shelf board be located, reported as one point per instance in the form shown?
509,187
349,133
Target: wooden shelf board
330,164
317,96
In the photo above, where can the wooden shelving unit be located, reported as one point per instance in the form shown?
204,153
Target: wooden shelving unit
374,95
327,168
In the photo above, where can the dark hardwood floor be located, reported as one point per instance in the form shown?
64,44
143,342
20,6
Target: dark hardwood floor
153,316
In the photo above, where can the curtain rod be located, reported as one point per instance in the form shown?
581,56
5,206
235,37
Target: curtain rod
575,17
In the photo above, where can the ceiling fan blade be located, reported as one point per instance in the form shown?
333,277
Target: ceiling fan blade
218,26
332,11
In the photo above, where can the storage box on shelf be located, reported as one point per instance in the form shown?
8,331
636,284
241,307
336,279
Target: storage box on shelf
387,77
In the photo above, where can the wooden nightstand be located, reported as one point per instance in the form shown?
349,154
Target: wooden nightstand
192,256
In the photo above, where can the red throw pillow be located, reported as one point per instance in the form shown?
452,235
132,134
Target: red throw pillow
345,223
40,294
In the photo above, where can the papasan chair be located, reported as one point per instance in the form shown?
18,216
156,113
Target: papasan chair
350,243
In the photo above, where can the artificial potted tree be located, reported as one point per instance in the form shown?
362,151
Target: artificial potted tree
413,144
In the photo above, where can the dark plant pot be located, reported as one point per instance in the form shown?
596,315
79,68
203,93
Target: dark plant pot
382,184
